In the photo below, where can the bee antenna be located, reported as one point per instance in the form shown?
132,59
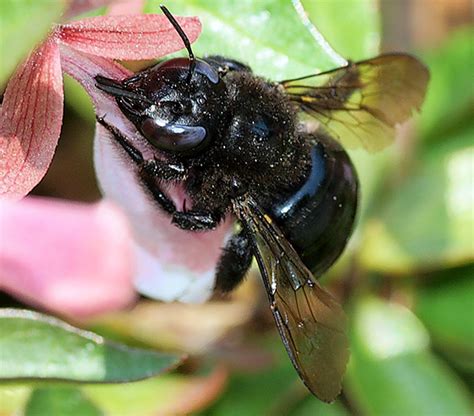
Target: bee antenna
182,35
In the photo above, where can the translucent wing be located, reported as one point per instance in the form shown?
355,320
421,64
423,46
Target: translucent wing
360,104
311,323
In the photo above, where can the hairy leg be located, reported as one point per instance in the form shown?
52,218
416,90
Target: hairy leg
150,173
234,262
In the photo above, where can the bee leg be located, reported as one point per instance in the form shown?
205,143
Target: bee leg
234,262
155,167
149,170
123,141
161,169
196,220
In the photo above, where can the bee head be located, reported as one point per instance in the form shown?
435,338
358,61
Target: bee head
177,105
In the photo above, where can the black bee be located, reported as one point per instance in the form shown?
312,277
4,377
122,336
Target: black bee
239,144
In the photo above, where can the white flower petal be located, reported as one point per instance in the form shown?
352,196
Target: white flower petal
172,264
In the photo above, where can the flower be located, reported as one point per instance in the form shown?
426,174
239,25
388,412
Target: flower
171,264
70,258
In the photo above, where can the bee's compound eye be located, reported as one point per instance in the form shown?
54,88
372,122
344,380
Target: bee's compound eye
208,71
176,66
173,137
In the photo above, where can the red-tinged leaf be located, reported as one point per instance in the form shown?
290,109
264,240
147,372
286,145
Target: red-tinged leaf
122,37
31,118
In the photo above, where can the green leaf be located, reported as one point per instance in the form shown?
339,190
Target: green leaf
446,306
451,90
268,35
13,398
95,11
59,400
167,394
159,395
391,370
274,381
36,346
24,24
77,98
248,392
352,27
427,221
311,407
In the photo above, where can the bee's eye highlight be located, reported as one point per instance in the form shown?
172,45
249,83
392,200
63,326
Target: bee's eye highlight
208,71
174,137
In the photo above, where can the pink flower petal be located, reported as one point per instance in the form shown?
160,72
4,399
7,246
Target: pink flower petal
119,7
31,118
126,37
84,67
77,7
70,258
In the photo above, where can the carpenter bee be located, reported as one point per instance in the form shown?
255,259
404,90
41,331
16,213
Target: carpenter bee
241,144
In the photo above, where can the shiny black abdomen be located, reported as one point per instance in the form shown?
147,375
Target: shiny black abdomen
318,216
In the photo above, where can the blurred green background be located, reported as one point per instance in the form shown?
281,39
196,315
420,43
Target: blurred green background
406,280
